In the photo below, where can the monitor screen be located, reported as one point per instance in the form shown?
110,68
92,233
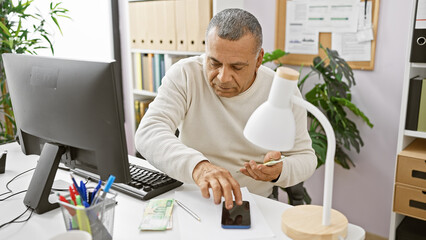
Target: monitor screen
69,111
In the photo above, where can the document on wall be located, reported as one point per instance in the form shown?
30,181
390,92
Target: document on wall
210,225
356,46
365,28
332,16
298,38
348,47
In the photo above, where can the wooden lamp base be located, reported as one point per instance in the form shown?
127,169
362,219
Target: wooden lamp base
304,222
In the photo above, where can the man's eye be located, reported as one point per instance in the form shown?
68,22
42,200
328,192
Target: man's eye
237,68
214,64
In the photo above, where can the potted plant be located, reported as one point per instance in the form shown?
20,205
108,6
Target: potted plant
22,30
333,97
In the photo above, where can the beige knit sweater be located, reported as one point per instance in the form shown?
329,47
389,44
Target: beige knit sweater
211,127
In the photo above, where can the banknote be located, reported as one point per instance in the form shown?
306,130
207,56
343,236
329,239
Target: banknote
157,215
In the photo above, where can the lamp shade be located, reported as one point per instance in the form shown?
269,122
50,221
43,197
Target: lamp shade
271,128
272,125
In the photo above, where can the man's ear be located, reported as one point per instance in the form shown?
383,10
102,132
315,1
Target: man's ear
260,58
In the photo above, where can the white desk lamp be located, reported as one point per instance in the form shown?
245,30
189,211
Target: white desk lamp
272,126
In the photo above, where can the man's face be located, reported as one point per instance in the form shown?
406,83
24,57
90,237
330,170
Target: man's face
231,65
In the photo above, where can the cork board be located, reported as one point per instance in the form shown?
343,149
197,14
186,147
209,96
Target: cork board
324,39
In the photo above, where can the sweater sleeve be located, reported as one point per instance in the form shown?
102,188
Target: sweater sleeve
301,161
155,137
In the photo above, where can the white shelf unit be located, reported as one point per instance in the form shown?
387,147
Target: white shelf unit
131,93
405,137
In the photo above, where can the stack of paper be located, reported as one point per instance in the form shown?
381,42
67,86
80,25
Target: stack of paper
210,225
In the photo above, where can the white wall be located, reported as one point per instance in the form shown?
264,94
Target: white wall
88,35
364,193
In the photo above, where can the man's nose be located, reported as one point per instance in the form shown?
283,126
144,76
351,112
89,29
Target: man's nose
224,75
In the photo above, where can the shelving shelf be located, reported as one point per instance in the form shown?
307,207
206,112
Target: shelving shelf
405,137
415,134
143,95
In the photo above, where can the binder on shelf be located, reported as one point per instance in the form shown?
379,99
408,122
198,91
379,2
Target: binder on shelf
140,109
137,113
413,103
143,20
137,69
421,125
198,15
133,24
157,72
145,72
151,24
180,26
150,69
418,44
162,68
169,30
159,20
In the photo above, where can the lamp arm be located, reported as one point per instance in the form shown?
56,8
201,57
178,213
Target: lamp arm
329,161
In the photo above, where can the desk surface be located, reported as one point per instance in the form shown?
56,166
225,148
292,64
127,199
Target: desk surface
128,212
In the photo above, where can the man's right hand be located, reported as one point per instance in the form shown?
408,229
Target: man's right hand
220,180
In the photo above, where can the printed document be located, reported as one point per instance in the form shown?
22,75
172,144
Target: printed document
298,38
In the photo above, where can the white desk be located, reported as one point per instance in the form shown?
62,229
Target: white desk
128,212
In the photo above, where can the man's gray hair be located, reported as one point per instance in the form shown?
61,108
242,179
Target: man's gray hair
233,23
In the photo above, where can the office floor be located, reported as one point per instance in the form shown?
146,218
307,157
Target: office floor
370,236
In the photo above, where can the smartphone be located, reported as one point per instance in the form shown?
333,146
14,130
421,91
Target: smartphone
236,218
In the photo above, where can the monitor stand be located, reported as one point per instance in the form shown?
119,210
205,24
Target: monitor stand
37,197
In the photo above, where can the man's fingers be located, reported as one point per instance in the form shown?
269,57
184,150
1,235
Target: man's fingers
227,193
204,187
253,169
237,192
261,172
272,156
220,180
217,191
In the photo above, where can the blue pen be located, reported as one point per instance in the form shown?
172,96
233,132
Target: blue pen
76,185
107,187
108,184
96,190
83,191
85,204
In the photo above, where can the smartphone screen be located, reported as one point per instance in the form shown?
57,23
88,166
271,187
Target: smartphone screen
237,217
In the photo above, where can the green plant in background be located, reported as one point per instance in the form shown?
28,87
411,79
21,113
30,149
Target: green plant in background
22,32
333,97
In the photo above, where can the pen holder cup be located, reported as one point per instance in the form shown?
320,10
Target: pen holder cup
97,219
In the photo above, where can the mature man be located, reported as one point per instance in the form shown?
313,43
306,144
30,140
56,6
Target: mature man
209,98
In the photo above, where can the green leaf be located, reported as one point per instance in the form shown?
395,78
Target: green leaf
19,28
57,24
275,55
353,108
5,29
50,43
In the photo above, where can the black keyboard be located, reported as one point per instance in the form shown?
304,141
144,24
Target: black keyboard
146,183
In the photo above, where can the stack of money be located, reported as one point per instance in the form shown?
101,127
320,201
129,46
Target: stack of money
157,215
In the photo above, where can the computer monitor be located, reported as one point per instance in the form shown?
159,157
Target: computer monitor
68,111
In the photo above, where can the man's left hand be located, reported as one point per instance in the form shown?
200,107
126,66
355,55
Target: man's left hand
261,172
